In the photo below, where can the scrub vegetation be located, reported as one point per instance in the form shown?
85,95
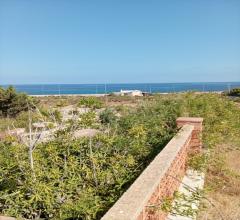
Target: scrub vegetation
234,92
81,177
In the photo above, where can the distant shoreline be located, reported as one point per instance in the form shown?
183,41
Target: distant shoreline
102,95
102,89
57,95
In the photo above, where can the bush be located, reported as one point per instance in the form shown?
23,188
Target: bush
57,115
107,117
20,121
234,92
87,120
12,102
79,178
90,102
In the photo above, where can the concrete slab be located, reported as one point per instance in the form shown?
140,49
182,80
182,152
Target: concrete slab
195,180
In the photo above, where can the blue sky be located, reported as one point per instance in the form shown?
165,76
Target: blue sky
119,41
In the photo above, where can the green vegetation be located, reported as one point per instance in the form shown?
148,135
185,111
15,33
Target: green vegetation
90,102
108,116
181,204
12,103
80,178
87,120
234,92
221,141
13,108
221,116
221,197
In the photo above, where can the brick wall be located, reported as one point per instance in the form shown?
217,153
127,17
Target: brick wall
160,179
196,140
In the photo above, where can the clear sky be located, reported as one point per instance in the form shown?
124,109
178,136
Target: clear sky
119,41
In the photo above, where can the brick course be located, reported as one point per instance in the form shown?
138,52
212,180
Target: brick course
159,180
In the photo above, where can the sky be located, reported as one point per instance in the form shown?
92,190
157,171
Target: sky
119,41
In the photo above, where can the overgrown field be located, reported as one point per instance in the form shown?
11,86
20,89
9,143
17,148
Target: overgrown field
81,178
220,158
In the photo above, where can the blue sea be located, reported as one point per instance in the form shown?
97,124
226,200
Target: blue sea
64,89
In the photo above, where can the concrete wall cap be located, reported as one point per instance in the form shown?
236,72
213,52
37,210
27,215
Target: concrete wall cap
189,119
6,218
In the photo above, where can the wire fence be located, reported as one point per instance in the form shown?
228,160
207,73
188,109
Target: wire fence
74,89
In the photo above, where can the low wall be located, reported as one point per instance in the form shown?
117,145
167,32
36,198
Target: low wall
159,179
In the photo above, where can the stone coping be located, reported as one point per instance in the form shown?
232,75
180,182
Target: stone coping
190,119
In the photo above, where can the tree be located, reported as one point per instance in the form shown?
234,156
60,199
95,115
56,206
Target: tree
12,102
234,92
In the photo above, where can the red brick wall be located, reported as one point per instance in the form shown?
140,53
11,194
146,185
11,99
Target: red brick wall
196,140
168,184
161,178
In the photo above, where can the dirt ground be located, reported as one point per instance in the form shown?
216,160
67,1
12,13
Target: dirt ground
223,183
55,101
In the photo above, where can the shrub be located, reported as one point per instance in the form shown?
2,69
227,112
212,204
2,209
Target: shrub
90,102
87,119
107,116
20,121
61,103
12,102
234,92
57,115
198,162
82,178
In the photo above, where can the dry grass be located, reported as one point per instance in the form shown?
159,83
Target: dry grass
223,182
227,205
55,101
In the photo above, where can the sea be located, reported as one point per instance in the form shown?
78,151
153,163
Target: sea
75,89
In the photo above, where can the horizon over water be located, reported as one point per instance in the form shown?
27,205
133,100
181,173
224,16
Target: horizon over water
74,89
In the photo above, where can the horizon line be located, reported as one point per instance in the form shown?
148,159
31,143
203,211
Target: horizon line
18,84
